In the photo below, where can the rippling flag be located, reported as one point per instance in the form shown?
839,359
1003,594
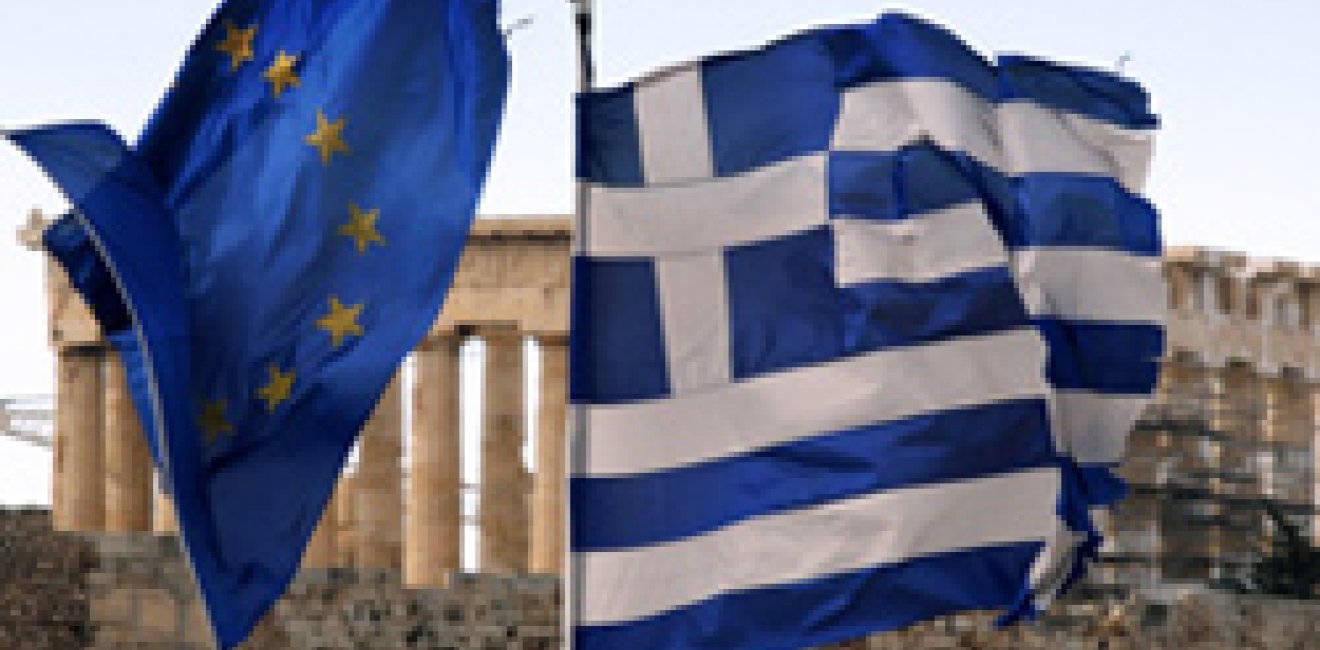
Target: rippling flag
816,377
282,235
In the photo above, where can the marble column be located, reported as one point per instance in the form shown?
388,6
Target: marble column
344,504
59,517
127,457
379,486
549,507
435,518
78,414
503,512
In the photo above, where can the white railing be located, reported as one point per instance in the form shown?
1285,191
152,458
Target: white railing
28,419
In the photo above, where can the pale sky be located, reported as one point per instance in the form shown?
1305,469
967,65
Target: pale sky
1233,167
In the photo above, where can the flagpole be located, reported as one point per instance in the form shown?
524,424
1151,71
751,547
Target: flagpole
583,19
570,592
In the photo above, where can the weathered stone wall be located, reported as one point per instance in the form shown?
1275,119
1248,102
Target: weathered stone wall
141,594
62,592
1202,622
43,591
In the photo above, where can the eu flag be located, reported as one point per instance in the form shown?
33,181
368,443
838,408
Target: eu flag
282,235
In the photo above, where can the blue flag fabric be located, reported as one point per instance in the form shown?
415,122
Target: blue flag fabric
860,321
283,234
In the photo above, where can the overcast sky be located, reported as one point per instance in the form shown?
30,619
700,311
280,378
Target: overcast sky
1234,165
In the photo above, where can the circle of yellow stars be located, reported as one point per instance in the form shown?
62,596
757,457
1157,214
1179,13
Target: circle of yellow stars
341,321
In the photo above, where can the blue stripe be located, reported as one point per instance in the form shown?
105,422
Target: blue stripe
787,311
623,512
833,608
1095,93
898,47
767,105
771,106
617,341
889,314
899,184
1111,358
1082,211
1030,210
1101,484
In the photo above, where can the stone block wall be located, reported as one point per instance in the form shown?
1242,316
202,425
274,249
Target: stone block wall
43,590
1207,621
142,595
65,592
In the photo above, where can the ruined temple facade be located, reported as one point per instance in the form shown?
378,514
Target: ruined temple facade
1233,428
388,512
1232,432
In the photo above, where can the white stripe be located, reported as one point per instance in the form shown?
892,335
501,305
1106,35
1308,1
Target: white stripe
1041,139
874,530
1093,428
1091,284
694,308
769,202
671,118
924,248
1015,138
1050,571
804,402
886,116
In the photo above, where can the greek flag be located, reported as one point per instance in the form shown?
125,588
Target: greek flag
861,320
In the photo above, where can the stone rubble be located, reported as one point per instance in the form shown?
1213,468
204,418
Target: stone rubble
67,592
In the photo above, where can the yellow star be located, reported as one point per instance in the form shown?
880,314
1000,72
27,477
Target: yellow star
212,421
277,388
362,228
283,73
329,137
341,322
238,43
